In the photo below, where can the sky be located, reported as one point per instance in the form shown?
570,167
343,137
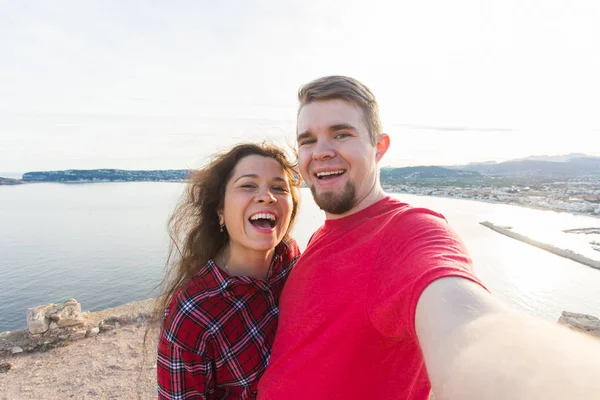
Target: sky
150,85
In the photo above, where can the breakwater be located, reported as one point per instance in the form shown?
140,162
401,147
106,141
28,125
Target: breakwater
544,246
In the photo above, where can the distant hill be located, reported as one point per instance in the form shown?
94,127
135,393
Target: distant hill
562,158
9,181
105,175
569,166
481,163
425,172
581,166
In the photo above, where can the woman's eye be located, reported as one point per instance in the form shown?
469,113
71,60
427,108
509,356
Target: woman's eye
280,188
247,186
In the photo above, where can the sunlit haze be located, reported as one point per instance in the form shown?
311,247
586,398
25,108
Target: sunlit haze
154,85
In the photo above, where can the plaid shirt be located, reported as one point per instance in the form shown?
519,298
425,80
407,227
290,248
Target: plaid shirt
218,331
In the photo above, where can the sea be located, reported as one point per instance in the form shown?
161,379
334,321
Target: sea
105,244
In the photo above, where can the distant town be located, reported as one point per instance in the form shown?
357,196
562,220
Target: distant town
573,197
568,183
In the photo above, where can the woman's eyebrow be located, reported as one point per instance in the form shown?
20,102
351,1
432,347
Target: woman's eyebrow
246,176
277,178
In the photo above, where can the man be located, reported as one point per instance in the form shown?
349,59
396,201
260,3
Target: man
384,301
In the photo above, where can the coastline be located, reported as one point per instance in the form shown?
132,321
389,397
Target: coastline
83,182
388,190
530,206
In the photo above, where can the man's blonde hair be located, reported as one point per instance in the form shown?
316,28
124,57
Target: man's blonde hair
347,89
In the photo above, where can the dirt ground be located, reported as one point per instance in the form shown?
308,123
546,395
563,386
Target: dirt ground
107,366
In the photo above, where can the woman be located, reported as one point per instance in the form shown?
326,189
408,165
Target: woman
234,253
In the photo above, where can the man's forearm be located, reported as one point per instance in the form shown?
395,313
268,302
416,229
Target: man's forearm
512,356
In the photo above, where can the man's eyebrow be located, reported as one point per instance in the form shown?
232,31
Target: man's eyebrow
303,135
339,127
332,128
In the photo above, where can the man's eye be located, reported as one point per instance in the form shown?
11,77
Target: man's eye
307,142
342,135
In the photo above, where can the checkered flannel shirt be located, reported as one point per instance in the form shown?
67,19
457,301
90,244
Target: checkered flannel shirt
217,334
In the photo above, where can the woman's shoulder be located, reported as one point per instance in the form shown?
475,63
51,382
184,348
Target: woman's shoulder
287,253
288,249
190,315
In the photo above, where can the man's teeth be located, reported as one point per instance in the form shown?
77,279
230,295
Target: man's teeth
321,174
263,216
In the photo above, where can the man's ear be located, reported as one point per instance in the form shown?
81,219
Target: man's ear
382,145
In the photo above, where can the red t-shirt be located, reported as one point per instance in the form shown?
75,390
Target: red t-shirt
346,327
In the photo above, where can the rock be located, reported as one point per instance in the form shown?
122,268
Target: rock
16,350
36,318
581,322
94,331
53,325
106,327
5,367
66,314
77,335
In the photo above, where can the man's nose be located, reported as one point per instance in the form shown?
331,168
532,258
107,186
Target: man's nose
323,150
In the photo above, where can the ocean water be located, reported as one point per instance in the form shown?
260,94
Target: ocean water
106,245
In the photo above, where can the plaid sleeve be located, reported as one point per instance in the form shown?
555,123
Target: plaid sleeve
182,374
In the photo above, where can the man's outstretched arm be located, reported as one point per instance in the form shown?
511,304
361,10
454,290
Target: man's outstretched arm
476,348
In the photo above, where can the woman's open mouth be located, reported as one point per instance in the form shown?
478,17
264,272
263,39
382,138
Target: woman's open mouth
263,220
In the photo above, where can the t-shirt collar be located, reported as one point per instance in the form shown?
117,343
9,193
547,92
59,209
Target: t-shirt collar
357,216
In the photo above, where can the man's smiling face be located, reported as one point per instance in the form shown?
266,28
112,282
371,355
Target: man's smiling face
336,157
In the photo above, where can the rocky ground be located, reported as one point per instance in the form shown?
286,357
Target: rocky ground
66,354
104,357
110,365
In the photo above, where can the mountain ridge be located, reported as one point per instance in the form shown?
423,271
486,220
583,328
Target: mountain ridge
564,166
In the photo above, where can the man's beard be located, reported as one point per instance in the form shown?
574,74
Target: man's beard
336,203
